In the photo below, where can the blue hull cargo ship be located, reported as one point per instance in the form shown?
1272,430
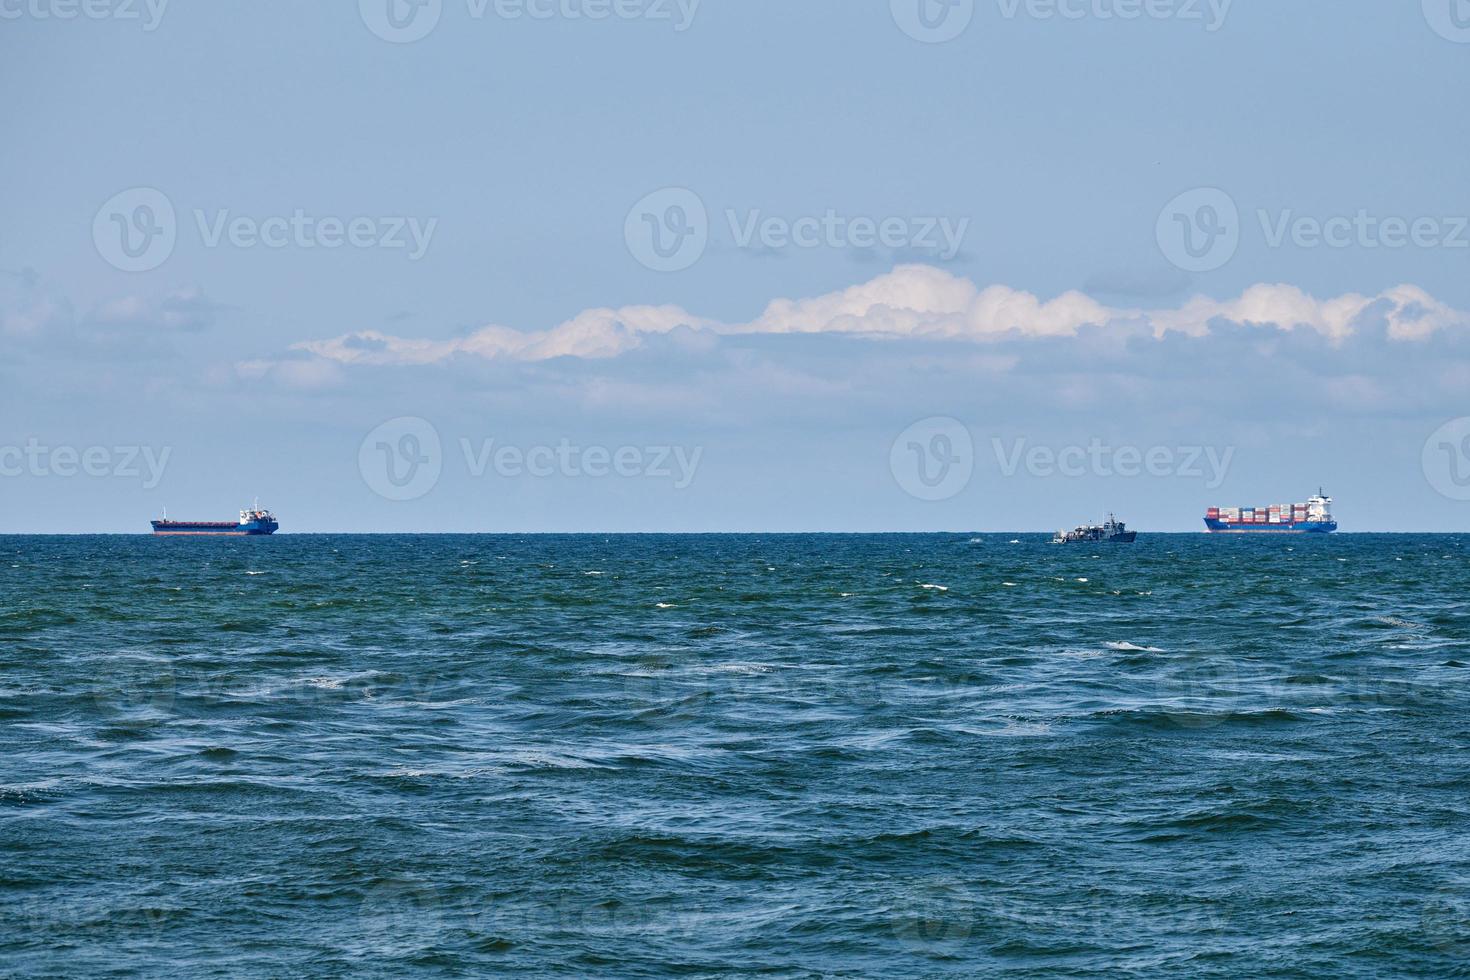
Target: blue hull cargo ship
1312,517
252,523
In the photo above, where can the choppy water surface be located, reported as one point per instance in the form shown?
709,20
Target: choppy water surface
776,756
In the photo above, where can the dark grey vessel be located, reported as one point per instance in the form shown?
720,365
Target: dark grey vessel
1111,530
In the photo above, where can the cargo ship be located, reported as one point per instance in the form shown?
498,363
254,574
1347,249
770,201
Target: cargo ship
1111,530
1312,517
252,523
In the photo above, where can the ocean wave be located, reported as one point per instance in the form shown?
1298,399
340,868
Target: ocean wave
1191,716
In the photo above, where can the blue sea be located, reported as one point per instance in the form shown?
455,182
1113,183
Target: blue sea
748,756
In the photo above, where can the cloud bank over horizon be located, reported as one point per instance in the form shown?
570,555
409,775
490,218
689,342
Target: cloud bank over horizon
912,302
912,339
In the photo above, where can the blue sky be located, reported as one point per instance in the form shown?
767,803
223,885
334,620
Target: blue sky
1091,230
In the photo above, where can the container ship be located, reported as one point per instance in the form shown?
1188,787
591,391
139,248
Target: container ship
252,523
1312,517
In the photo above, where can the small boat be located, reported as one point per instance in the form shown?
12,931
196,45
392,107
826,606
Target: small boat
1111,530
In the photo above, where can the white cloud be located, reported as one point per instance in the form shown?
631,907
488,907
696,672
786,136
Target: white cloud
1285,307
912,300
593,333
915,302
1000,309
1416,314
